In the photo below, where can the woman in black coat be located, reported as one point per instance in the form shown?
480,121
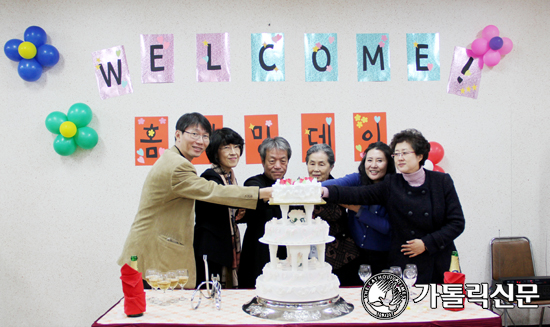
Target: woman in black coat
423,206
216,232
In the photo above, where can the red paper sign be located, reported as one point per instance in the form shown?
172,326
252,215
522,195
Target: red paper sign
317,128
368,127
151,139
256,129
217,123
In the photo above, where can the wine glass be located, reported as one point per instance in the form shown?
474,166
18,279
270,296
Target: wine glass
151,276
364,272
164,284
183,277
396,270
410,274
411,265
173,283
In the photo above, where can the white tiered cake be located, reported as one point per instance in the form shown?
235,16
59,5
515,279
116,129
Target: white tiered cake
297,278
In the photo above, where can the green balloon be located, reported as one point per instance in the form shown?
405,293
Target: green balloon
54,120
86,137
80,114
64,146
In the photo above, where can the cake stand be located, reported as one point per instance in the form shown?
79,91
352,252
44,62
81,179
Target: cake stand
297,311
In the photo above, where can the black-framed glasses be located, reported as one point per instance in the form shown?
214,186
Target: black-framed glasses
401,154
196,136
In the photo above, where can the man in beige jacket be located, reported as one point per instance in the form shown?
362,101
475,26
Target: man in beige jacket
162,232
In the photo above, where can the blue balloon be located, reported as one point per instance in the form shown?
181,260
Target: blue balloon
36,35
29,69
47,55
496,43
11,49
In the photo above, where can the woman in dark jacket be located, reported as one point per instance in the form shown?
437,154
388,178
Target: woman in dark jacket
216,231
423,206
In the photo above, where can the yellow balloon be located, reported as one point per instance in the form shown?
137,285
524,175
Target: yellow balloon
27,50
67,129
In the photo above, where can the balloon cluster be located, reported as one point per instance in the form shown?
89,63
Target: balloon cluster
490,47
434,157
32,54
72,129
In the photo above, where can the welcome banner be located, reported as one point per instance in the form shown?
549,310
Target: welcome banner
465,75
111,72
321,52
423,56
213,58
268,57
157,58
373,57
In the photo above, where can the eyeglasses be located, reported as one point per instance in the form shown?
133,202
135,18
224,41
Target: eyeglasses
228,148
401,154
196,136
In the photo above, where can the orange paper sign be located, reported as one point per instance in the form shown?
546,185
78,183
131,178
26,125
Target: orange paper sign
368,127
151,139
256,129
217,123
317,128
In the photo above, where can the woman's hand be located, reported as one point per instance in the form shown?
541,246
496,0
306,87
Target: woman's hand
353,207
413,248
240,214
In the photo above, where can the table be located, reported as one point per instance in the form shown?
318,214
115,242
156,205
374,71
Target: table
231,313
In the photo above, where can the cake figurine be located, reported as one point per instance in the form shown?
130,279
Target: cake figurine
307,191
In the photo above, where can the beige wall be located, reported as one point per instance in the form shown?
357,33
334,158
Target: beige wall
64,220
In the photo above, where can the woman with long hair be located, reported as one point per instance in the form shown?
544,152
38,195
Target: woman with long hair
369,224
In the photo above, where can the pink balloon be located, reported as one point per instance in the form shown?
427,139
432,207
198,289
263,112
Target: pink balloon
491,58
480,46
489,32
507,46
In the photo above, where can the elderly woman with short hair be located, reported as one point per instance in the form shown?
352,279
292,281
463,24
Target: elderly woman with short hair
342,253
423,206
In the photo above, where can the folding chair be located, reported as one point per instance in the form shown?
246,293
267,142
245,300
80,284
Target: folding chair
512,257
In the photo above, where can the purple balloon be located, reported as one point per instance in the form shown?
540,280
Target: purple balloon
496,43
